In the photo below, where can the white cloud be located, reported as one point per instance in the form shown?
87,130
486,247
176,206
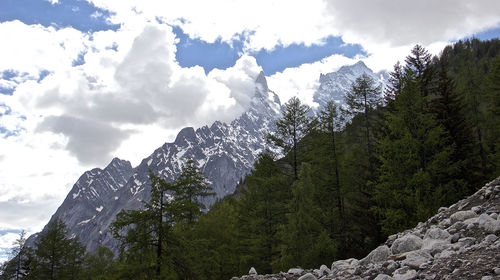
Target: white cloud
132,95
302,81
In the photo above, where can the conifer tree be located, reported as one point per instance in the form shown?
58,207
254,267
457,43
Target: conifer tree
290,129
56,256
191,186
363,98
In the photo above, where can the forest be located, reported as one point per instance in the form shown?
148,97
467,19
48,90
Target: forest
350,177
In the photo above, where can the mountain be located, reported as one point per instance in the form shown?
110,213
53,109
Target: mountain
458,242
224,152
335,85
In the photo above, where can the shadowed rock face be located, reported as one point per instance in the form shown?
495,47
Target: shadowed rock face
224,152
459,242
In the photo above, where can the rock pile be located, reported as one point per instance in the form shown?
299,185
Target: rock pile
459,242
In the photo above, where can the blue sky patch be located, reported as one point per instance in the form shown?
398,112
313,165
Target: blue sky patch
221,55
78,14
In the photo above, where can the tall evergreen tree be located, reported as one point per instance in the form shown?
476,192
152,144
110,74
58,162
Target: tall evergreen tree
290,129
191,186
56,256
262,211
363,98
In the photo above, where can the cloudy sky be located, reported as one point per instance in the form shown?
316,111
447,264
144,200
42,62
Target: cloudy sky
83,81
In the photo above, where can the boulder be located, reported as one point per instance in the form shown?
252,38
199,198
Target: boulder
252,271
416,259
295,271
324,270
344,264
436,233
405,273
406,243
378,255
308,276
462,216
383,277
488,224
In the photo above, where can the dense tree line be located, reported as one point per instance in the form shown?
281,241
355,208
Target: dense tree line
341,181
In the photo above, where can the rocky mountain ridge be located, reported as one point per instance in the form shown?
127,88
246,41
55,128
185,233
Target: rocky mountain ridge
224,152
335,85
459,242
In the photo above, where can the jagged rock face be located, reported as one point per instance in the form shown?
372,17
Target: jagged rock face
84,205
459,242
335,85
224,152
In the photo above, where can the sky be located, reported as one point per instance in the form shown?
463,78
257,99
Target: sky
83,81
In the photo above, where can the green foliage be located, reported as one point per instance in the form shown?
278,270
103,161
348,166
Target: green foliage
358,175
290,129
56,256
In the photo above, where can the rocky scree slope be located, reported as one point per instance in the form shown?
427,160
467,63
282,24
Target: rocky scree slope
459,242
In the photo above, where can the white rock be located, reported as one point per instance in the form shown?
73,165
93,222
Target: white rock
488,224
295,271
462,216
436,233
324,270
380,254
404,273
307,276
416,258
252,271
406,243
383,277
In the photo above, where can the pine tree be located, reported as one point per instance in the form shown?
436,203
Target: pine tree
262,210
191,187
290,129
303,229
330,124
56,256
363,98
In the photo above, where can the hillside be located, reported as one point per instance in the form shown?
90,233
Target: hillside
459,242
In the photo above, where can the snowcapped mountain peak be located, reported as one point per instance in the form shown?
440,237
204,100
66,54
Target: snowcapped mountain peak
335,85
261,81
186,134
224,152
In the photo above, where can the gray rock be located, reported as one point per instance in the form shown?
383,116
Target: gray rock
489,224
494,216
462,216
467,241
383,277
252,271
476,209
405,273
307,276
490,239
416,259
344,264
436,233
296,271
455,238
487,278
496,270
324,270
406,243
378,255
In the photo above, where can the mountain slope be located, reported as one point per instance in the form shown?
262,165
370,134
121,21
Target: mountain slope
225,153
459,242
335,85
